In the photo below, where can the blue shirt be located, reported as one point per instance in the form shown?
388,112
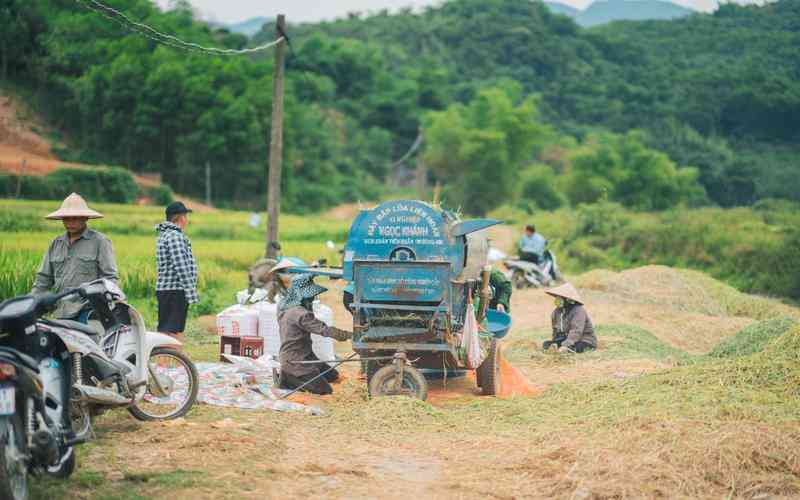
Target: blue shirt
533,244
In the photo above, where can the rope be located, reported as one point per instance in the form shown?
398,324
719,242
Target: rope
169,40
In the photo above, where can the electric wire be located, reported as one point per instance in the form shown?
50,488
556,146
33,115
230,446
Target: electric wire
170,40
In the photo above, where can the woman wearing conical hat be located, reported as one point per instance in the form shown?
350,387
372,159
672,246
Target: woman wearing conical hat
573,331
76,257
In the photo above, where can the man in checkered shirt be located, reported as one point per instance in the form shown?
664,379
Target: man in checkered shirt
176,286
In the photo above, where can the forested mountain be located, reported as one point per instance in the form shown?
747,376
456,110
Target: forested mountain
606,11
718,93
561,8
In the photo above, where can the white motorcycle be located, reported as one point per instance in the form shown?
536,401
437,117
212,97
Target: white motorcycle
117,363
526,274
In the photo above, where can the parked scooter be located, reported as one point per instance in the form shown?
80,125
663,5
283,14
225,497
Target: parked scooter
116,362
526,274
36,429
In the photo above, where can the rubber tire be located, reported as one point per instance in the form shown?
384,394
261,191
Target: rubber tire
411,377
5,487
519,280
138,414
66,469
371,368
488,374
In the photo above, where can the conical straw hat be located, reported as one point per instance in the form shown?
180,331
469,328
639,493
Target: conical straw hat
74,206
566,291
283,264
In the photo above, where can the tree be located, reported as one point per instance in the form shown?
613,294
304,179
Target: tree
476,150
623,169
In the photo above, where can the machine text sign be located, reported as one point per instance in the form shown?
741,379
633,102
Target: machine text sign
408,224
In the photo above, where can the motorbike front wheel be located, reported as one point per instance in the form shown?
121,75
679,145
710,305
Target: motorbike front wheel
13,469
175,368
519,280
65,467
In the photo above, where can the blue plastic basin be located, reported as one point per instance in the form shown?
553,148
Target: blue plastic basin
499,323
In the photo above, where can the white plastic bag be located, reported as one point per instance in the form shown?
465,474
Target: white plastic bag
470,340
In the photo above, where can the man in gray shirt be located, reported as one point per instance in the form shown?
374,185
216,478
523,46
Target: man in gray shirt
76,257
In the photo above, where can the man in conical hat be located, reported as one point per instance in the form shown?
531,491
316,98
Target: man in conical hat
573,331
76,257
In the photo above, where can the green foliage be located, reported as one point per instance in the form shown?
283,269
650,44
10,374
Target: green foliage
114,185
32,188
161,195
622,168
539,189
715,92
477,149
753,338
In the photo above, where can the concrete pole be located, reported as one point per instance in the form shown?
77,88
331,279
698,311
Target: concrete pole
276,145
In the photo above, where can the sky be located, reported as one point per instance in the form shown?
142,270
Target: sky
230,11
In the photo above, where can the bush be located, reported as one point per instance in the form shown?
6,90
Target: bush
114,185
539,189
161,195
33,188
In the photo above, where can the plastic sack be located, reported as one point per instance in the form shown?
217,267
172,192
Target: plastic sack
470,340
244,297
237,321
323,347
268,327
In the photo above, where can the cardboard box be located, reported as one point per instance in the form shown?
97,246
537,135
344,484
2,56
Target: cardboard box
250,347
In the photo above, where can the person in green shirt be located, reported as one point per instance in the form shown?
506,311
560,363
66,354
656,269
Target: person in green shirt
500,288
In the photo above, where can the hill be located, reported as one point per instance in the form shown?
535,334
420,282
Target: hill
248,27
606,11
713,92
564,9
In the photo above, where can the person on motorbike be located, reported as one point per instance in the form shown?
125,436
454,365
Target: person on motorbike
296,324
573,331
532,245
76,257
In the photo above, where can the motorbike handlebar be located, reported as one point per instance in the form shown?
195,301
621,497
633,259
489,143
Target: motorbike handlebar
48,302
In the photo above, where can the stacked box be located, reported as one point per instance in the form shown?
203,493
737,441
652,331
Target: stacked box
250,347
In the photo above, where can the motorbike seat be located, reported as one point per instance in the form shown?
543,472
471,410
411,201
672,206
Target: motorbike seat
23,358
75,325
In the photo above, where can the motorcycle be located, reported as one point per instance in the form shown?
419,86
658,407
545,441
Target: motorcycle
36,428
117,363
526,274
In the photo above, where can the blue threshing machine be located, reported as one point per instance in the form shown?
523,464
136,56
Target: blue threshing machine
413,269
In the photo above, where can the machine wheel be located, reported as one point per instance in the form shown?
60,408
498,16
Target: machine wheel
370,369
519,280
13,469
488,374
413,385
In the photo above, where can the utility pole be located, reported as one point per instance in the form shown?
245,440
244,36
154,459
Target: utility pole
421,173
208,183
21,175
276,144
